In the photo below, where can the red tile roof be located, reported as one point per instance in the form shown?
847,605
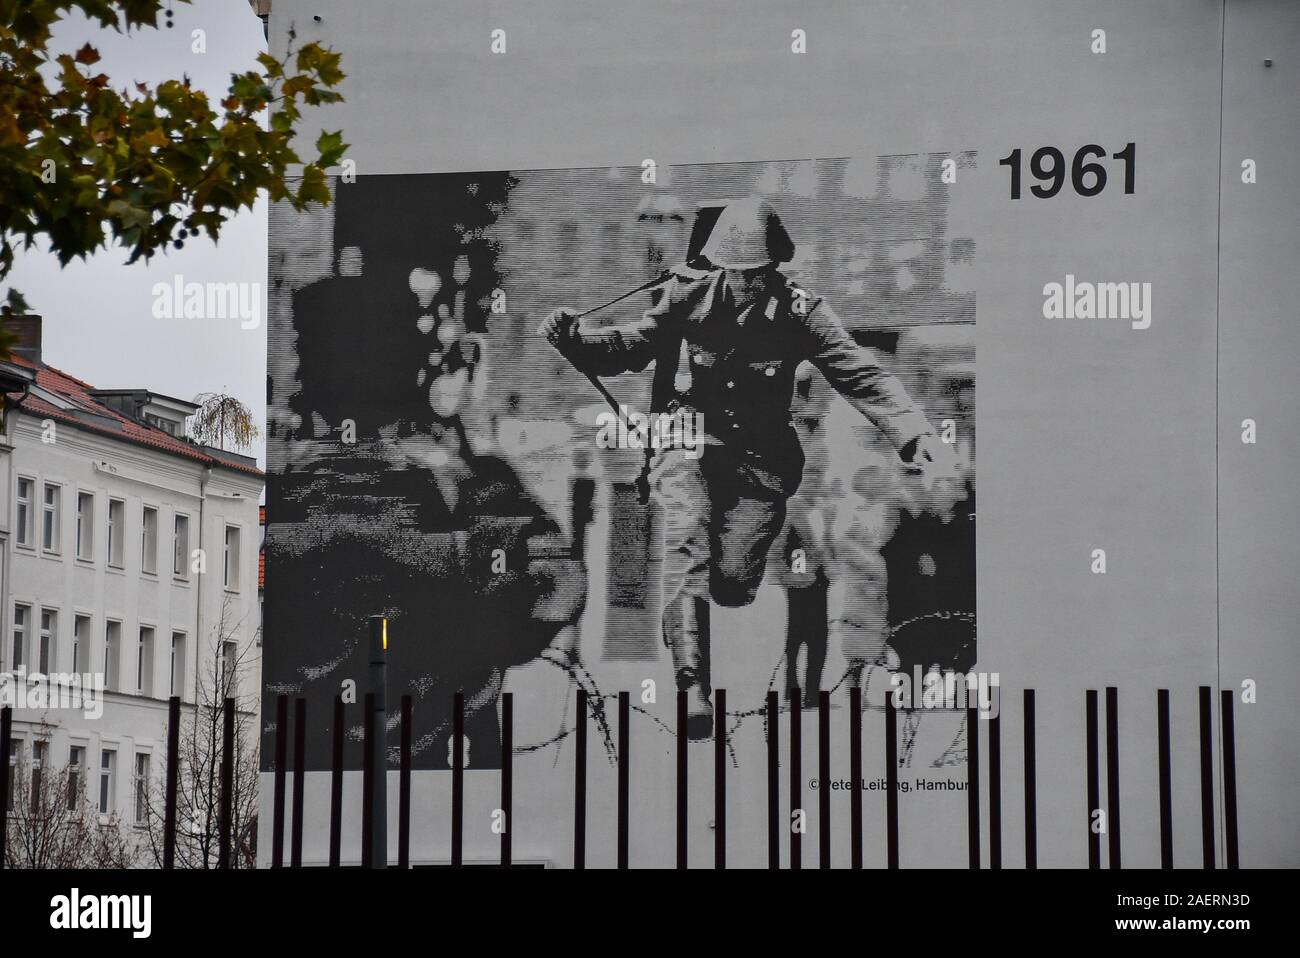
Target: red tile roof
121,426
261,551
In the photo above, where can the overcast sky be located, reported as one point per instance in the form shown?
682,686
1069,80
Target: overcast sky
98,318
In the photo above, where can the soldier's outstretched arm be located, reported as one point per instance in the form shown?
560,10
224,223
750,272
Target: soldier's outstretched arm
610,350
856,375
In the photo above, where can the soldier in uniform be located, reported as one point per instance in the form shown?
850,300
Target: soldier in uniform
726,342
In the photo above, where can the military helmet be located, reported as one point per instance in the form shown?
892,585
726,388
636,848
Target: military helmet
748,235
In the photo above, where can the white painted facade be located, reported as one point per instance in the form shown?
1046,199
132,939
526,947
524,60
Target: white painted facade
62,566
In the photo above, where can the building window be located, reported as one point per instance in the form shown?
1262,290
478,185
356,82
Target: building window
53,496
141,787
48,641
22,616
149,541
80,642
23,520
15,749
229,660
181,548
178,665
158,422
40,754
144,662
76,775
112,655
107,779
85,526
116,521
230,570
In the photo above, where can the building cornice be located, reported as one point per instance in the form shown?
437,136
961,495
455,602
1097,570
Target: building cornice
131,461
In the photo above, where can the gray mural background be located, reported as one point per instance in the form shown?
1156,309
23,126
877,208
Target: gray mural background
1092,434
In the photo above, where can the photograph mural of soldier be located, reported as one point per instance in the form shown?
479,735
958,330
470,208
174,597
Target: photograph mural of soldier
744,329
753,470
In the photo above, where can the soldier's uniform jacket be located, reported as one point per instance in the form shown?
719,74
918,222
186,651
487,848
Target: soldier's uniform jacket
736,366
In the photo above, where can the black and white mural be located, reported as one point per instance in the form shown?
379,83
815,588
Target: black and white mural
630,429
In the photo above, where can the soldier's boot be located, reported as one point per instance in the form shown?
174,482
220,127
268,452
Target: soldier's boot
687,634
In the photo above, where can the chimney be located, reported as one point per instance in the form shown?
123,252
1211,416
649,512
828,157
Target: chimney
27,337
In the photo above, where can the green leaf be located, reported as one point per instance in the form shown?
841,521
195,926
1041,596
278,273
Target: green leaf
16,303
330,147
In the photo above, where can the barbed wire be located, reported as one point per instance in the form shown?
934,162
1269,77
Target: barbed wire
581,677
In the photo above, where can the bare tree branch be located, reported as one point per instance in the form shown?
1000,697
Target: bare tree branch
198,793
54,824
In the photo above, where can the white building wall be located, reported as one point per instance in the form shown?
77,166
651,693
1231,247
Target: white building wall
79,462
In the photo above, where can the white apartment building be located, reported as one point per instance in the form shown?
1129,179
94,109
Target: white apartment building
108,519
